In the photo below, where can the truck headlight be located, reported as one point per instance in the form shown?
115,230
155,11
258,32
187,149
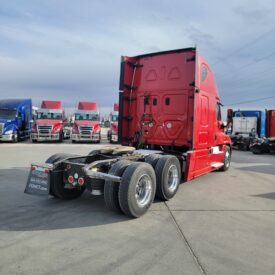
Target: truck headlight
9,132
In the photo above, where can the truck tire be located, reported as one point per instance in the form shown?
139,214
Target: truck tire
34,140
99,138
137,189
257,151
111,188
168,175
227,159
61,136
153,159
15,139
57,186
59,156
94,152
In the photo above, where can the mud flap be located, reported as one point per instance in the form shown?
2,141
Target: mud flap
38,181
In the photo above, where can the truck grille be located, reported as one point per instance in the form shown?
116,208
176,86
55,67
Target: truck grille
1,128
86,130
45,130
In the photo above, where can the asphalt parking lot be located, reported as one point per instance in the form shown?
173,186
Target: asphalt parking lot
220,223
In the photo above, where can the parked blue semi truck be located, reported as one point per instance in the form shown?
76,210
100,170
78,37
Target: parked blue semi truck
15,119
246,126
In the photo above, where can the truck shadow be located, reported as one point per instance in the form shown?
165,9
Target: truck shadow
22,212
265,169
270,196
249,157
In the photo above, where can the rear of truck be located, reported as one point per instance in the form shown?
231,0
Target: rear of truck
170,128
86,123
248,125
49,123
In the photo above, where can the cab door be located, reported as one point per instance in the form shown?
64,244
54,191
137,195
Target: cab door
202,130
204,123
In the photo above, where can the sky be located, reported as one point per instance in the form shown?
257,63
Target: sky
70,50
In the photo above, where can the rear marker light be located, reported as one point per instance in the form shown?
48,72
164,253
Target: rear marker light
71,179
46,171
33,167
80,181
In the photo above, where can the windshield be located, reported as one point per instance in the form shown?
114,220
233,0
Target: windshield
7,114
46,115
114,117
93,117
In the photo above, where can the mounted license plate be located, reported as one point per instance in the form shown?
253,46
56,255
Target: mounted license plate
39,180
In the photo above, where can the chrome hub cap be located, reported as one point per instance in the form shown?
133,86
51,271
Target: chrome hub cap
143,190
227,159
173,178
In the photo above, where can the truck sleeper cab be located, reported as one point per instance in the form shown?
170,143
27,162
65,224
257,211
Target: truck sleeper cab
170,128
15,119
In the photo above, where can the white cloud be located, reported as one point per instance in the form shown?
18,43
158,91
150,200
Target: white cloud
72,49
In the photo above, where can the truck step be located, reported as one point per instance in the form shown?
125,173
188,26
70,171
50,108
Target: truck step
216,164
216,150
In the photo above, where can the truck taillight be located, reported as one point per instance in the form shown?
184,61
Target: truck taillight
80,181
70,179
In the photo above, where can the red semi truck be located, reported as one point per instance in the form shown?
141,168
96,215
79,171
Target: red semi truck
271,123
113,132
170,126
49,123
86,125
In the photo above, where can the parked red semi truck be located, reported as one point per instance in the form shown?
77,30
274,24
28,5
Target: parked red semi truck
86,125
49,123
113,132
170,126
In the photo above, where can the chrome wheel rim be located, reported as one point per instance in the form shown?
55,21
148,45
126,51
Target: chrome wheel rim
173,178
227,158
143,190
